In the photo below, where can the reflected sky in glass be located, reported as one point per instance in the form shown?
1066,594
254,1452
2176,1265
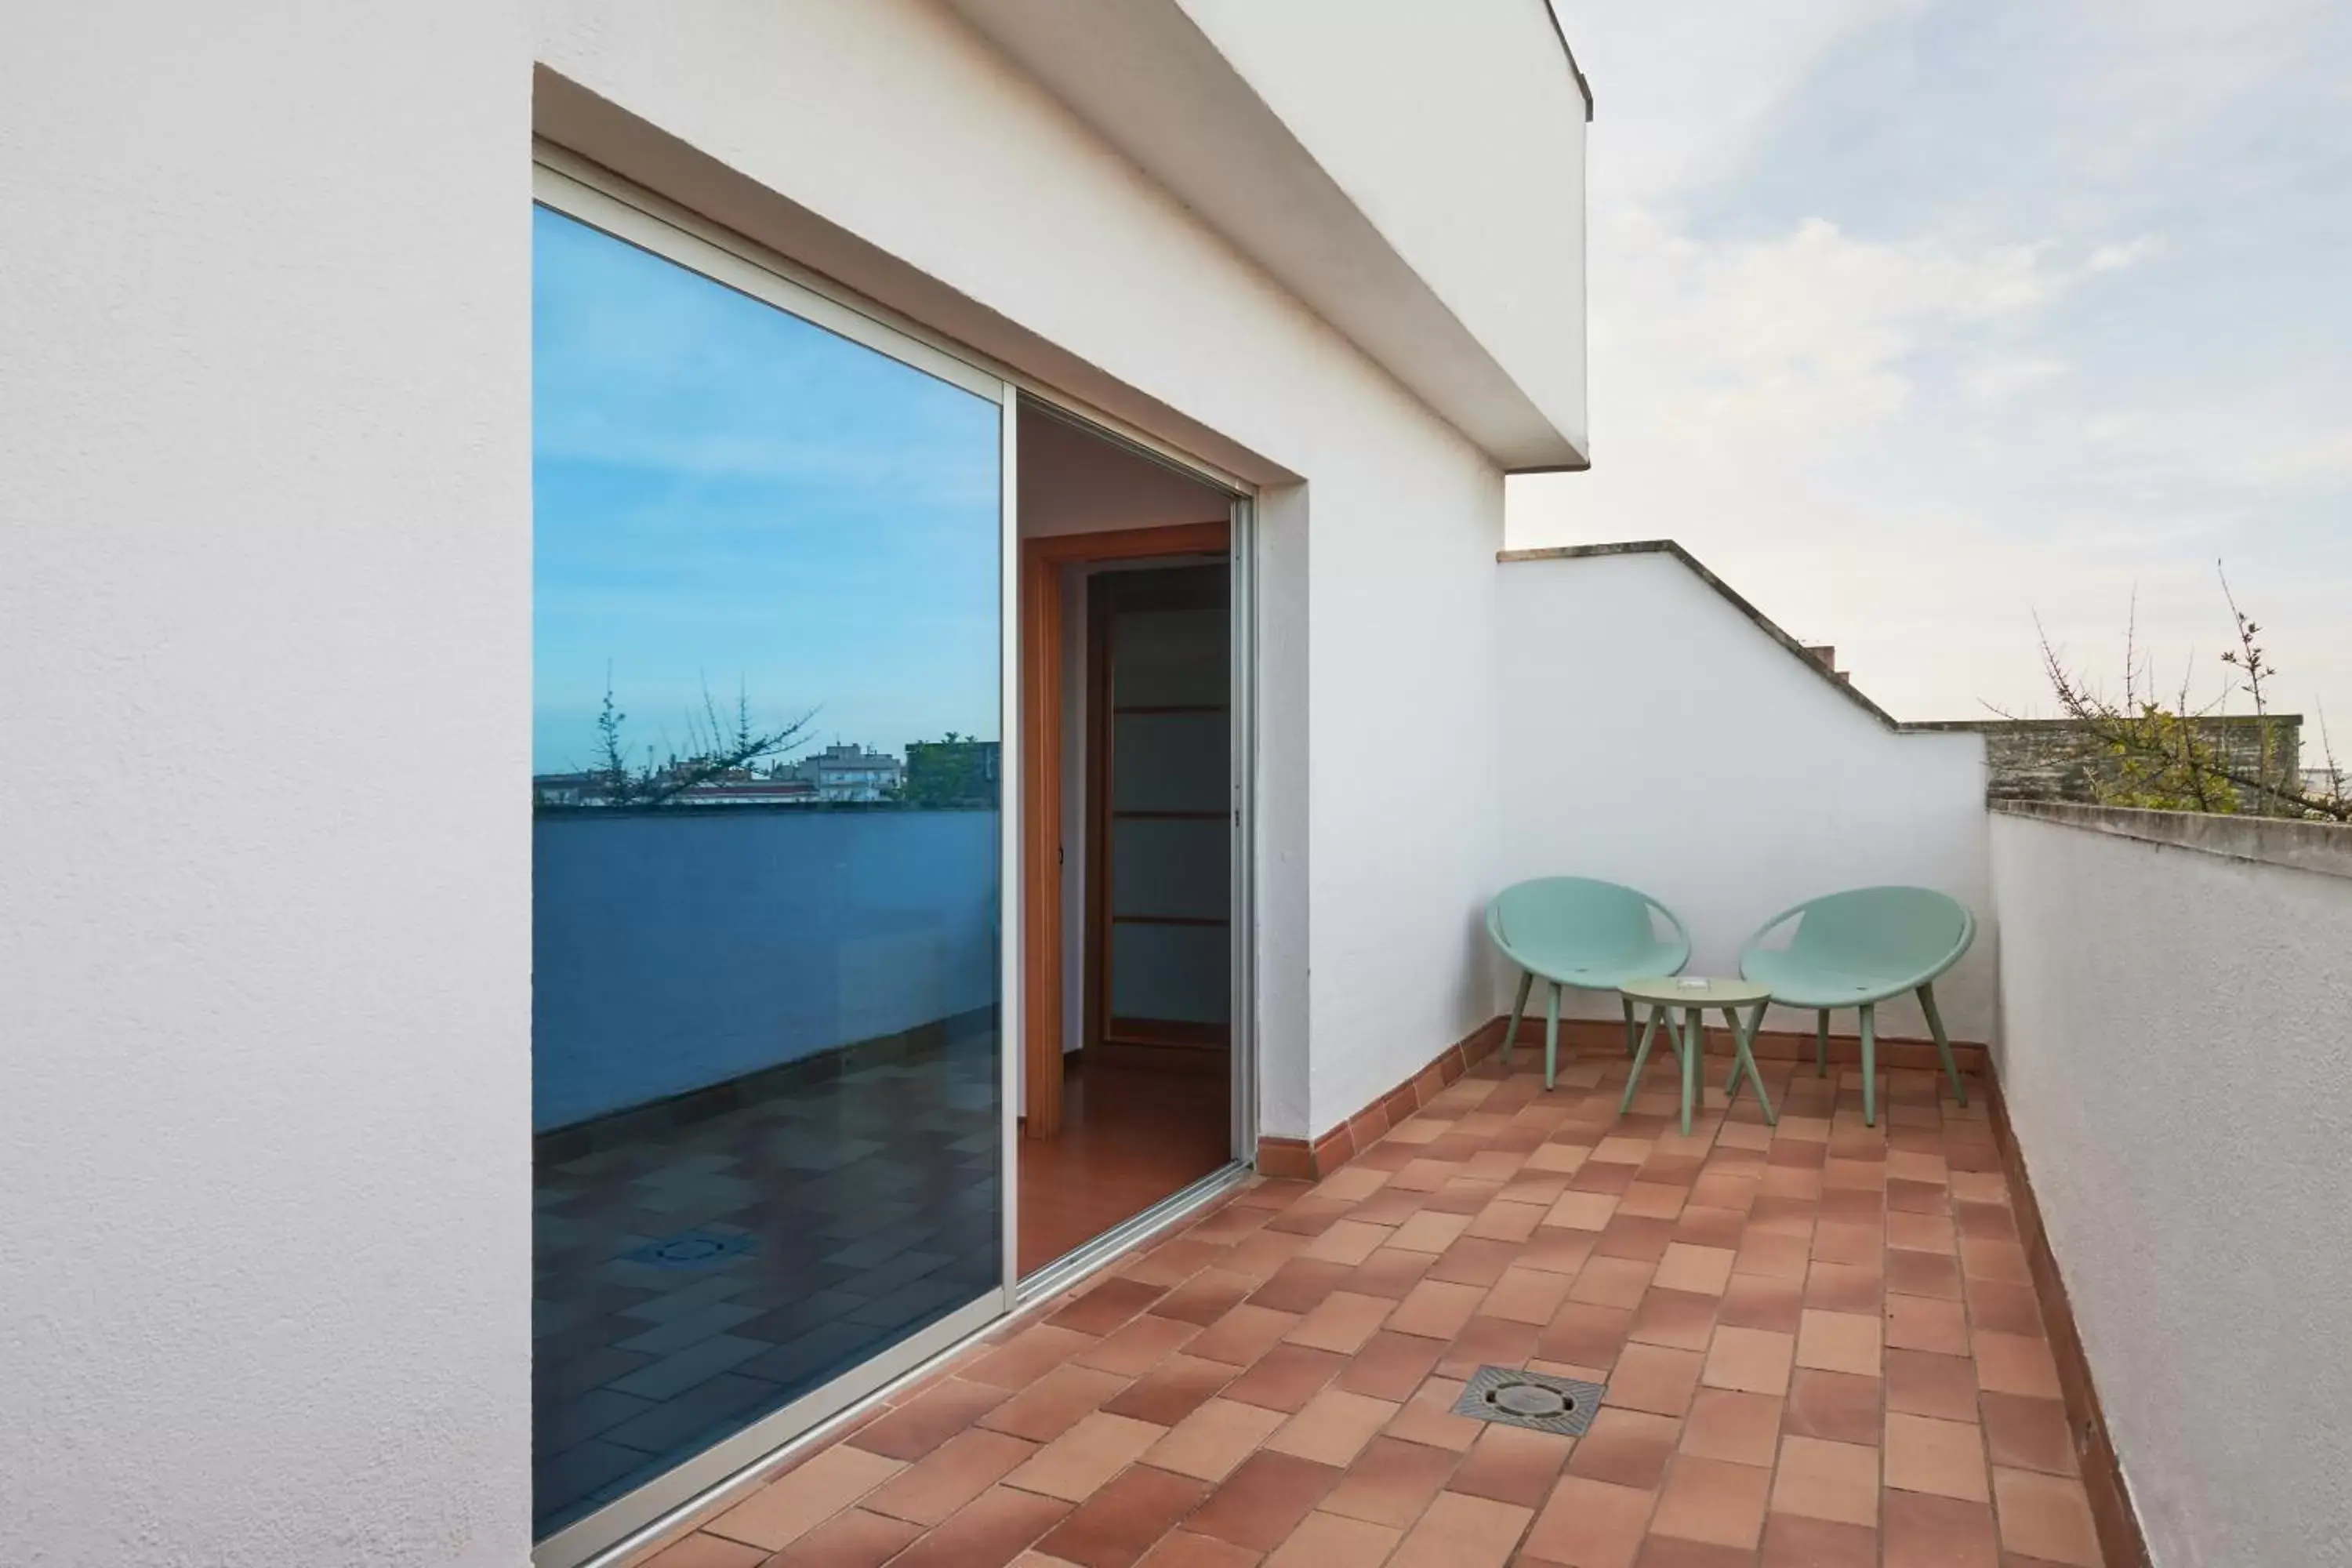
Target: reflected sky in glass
728,498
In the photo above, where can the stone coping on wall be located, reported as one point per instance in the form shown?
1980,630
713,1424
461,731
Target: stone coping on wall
2322,847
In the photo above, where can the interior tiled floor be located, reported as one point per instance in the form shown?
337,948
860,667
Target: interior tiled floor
1130,1137
806,1232
1820,1345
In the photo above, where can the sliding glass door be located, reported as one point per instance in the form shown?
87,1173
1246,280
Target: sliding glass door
767,1015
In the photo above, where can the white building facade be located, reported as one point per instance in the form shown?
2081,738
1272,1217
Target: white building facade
268,388
844,773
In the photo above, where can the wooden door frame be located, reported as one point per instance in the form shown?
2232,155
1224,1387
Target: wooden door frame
1042,620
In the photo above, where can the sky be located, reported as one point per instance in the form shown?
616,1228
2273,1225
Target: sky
728,499
1915,321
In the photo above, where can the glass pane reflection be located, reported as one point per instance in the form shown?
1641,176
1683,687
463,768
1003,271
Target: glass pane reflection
765,733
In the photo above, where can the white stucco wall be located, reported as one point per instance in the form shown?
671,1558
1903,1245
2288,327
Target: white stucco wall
2172,1053
892,123
1405,703
1283,856
265,572
1656,735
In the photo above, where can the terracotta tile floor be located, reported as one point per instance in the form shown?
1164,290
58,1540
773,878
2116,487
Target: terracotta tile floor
1821,1343
1130,1137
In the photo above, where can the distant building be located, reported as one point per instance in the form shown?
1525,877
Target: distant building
566,789
738,786
2059,759
849,774
736,790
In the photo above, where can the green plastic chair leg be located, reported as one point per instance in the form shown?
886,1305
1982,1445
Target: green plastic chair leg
1628,1001
1641,1059
1869,1065
1743,1038
1551,1036
1693,1036
1747,1054
1822,1044
1738,1058
1943,1045
1518,1010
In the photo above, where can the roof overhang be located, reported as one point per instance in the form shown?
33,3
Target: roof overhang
1154,83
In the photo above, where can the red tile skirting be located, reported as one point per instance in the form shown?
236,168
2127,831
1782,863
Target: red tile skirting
2120,1539
1285,1159
1770,1045
1294,1159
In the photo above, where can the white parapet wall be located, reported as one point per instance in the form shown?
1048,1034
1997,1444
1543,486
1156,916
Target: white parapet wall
1660,733
2174,999
658,968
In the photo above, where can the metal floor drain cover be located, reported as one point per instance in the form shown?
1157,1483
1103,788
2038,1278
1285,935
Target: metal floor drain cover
1534,1399
692,1249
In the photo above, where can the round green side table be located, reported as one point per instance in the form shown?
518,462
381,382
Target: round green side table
1695,995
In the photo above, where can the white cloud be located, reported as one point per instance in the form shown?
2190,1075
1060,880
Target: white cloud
1809,331
2127,253
1885,344
1685,91
1996,380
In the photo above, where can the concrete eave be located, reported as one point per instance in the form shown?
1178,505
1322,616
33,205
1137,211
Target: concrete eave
1142,74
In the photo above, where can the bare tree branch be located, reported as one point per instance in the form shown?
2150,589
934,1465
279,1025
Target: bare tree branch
714,748
2176,758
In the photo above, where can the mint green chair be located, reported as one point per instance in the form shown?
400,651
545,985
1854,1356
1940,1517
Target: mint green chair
1584,934
1856,949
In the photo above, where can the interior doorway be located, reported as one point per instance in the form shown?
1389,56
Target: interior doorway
1129,1068
1158,867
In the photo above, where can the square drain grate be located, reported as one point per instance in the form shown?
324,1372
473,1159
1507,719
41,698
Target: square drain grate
1531,1399
693,1249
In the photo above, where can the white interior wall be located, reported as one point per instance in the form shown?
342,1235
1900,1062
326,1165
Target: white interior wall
265,579
1068,481
1656,736
2173,1057
890,122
